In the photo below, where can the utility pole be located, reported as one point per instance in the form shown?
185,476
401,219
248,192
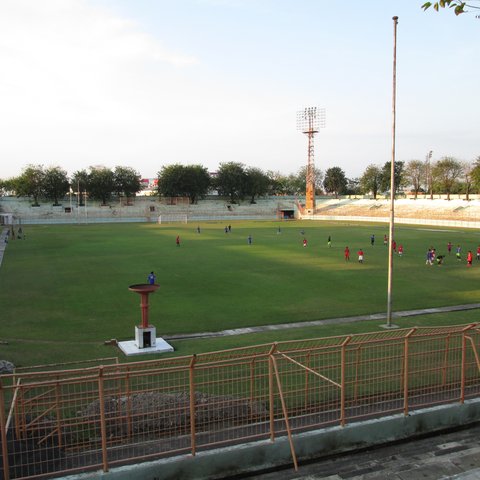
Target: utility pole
391,230
429,174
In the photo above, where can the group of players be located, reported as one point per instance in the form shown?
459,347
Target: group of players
361,254
432,257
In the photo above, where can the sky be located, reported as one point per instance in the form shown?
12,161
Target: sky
150,83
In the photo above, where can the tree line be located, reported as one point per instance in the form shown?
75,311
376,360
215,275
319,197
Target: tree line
446,176
236,182
233,181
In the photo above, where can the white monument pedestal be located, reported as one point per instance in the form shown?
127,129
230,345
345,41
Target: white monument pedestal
145,342
145,337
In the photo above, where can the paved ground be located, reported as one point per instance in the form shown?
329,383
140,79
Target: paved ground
452,455
336,321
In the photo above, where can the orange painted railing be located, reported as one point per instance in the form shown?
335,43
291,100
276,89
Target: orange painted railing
55,422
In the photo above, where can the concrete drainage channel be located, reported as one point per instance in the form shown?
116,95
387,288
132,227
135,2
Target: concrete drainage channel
265,455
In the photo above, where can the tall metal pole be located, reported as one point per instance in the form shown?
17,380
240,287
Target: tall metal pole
430,177
309,121
391,229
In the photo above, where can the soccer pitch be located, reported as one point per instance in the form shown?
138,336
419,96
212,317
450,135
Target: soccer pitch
64,289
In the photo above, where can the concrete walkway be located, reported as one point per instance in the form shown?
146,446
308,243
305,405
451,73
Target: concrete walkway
450,455
329,321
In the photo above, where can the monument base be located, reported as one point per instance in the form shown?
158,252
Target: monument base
130,347
145,337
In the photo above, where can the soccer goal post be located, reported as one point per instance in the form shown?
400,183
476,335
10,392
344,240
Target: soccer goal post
173,217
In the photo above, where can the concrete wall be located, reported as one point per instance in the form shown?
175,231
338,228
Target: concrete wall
142,209
455,213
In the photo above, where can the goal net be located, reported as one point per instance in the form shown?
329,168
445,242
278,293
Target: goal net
173,217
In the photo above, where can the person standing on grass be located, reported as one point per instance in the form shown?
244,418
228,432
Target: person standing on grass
304,242
449,247
385,240
347,254
249,240
478,252
151,278
360,256
400,250
469,258
428,258
458,253
177,241
329,241
372,240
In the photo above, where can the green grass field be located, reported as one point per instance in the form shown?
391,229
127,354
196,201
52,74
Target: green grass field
64,290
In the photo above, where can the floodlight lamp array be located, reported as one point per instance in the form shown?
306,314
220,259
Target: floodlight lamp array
310,119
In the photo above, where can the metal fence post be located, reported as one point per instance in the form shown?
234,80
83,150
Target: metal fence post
192,403
405,370
464,363
128,396
3,434
103,429
58,414
285,413
270,393
463,373
342,382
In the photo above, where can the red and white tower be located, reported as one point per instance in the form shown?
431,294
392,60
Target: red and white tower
309,121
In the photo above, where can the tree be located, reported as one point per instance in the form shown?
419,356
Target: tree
7,186
192,181
278,183
458,7
467,169
30,183
257,183
197,182
335,181
55,184
127,181
301,179
79,184
445,172
415,173
397,174
230,181
353,186
101,184
475,173
370,180
170,181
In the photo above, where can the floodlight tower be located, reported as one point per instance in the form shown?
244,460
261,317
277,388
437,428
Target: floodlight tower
309,121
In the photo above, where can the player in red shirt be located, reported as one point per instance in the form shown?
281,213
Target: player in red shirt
469,258
478,252
347,254
360,256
